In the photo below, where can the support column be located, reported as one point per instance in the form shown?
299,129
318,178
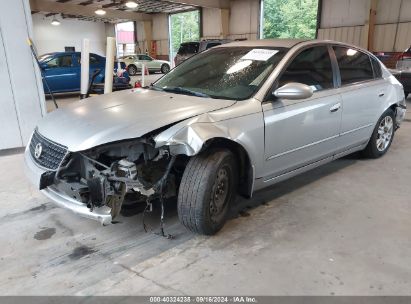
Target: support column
225,22
371,24
148,34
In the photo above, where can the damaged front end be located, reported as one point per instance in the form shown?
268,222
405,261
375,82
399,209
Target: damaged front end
97,182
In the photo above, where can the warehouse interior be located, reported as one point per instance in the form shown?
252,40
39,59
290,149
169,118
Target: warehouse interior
341,229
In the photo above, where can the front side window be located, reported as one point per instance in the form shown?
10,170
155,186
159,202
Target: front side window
226,73
93,60
60,62
311,67
355,66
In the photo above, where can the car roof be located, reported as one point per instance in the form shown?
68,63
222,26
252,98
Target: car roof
284,43
67,53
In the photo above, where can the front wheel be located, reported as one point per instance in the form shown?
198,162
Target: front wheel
165,68
406,94
382,136
132,70
207,188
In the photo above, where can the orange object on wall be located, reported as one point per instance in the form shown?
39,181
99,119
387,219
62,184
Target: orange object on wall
153,50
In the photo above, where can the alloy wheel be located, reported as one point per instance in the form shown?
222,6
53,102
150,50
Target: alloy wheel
385,133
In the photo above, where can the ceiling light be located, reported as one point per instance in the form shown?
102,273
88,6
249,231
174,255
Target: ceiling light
131,4
55,22
100,12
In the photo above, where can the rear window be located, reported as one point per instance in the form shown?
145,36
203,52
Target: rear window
355,66
188,48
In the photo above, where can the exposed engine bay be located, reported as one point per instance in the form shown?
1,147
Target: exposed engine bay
110,175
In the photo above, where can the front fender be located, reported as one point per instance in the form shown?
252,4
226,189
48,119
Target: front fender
189,137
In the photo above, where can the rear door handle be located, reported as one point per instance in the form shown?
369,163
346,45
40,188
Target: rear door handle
335,107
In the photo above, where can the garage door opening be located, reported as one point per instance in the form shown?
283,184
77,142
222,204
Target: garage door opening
289,18
184,27
125,34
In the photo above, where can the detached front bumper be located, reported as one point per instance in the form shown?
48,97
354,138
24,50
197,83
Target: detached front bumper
34,173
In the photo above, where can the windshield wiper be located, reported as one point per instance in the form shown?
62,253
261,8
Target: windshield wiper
180,90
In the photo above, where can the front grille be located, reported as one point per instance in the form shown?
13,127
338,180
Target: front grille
52,154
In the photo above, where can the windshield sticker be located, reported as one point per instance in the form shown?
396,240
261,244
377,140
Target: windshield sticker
259,54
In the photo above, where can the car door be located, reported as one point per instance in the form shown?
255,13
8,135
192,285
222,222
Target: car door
300,132
60,73
147,60
362,94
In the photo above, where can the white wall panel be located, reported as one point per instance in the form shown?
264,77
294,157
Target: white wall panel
352,35
212,23
388,11
20,89
339,13
160,26
405,15
10,131
244,18
384,37
70,32
403,40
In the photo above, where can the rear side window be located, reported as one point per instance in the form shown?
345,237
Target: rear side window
188,49
376,68
355,66
311,67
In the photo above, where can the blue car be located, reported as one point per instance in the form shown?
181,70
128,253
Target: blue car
62,71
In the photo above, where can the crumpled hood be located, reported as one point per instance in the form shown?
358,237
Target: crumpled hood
121,115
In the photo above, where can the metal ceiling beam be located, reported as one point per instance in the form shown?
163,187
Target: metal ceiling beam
204,3
86,11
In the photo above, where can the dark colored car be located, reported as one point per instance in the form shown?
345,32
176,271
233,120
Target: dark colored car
188,49
62,71
403,70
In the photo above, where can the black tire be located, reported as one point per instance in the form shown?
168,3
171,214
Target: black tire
200,191
406,94
374,150
165,68
132,70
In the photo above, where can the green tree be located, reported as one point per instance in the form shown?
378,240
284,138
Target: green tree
290,18
185,27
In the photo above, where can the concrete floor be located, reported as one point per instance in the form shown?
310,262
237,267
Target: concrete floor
342,229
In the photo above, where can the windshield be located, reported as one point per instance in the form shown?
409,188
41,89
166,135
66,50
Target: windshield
225,73
45,57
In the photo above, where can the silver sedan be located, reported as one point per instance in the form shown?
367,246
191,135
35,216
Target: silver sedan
135,63
230,120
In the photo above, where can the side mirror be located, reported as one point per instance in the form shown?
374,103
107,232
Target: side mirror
294,91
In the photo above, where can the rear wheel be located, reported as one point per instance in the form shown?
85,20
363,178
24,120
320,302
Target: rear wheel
165,68
382,136
207,188
132,70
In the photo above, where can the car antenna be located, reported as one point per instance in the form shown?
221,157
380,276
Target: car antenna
33,51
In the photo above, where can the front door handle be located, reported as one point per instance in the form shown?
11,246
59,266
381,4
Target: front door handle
335,107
